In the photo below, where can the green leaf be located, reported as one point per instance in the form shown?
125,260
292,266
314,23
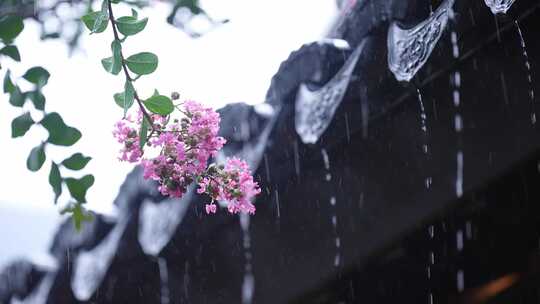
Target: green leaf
105,7
38,99
134,13
89,19
116,66
143,134
142,63
55,180
113,64
21,125
59,133
11,51
129,26
37,75
159,104
119,99
36,158
129,96
80,215
17,98
107,63
96,22
76,161
8,84
10,27
101,22
78,187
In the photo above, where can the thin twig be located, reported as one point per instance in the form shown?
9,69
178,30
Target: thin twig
124,67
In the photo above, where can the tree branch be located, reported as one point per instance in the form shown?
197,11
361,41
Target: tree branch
124,67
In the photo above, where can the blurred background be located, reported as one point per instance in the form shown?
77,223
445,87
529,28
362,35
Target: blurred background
229,57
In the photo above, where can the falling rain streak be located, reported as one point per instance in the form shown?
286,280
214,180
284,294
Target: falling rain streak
529,74
277,204
347,128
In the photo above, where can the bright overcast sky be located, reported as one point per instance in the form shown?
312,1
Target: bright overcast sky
230,64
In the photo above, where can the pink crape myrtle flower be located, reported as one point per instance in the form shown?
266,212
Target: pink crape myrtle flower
234,185
241,188
210,208
126,134
185,148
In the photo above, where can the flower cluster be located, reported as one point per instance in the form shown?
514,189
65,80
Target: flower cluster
125,132
232,183
185,147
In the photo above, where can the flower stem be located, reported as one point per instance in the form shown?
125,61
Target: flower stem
124,67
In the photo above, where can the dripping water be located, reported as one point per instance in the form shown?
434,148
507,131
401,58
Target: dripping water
277,204
164,276
423,116
460,280
458,120
468,230
459,175
296,159
423,125
347,128
337,239
431,233
248,285
325,159
529,74
254,153
333,218
459,240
